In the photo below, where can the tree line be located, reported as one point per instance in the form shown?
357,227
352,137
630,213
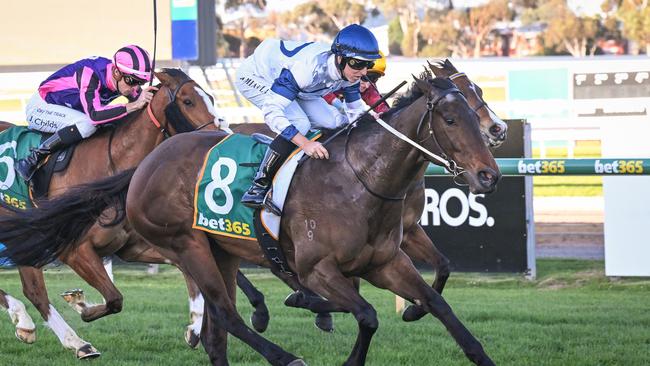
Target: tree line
420,28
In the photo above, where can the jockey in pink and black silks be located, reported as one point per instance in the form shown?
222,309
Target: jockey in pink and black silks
73,101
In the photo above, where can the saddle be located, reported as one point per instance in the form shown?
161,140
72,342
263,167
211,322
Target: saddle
58,161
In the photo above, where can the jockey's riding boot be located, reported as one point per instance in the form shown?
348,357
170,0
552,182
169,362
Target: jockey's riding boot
275,156
27,167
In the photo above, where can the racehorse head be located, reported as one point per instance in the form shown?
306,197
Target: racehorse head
187,106
493,128
448,127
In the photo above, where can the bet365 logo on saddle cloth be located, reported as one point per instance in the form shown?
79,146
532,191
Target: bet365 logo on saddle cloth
222,183
15,144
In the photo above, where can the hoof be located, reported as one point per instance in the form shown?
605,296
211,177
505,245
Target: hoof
87,351
295,300
324,322
297,362
413,313
191,338
26,335
260,320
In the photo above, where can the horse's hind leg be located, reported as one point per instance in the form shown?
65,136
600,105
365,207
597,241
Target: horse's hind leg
400,276
260,317
141,251
197,260
417,245
34,289
326,279
90,267
25,328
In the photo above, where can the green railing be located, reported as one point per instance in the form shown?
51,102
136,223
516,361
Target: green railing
514,167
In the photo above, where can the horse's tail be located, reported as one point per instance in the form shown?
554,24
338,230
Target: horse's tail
37,236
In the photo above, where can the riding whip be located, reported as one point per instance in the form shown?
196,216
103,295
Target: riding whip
155,31
372,107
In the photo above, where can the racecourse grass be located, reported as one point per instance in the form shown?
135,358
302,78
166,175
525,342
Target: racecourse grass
571,315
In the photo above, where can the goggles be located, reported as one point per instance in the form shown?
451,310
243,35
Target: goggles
357,64
131,80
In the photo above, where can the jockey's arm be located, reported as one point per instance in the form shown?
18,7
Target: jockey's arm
89,84
353,102
284,90
371,96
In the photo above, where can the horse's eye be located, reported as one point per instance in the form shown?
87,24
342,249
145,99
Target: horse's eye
450,121
187,102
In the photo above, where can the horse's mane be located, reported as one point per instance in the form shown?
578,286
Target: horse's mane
415,91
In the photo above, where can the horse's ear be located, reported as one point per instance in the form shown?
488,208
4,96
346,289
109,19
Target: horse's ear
421,84
450,66
162,76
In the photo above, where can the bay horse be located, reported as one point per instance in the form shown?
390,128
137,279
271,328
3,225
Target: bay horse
179,105
350,226
415,242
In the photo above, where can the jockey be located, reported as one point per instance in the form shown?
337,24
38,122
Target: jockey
287,81
72,102
367,87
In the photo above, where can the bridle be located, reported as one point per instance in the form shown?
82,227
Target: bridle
482,103
174,116
448,163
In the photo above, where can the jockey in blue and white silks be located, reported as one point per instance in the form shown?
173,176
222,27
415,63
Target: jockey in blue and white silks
74,100
287,81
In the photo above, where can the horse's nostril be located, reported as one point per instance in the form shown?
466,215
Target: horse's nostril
495,130
485,175
487,178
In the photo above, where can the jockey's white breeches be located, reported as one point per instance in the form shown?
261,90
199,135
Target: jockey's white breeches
45,117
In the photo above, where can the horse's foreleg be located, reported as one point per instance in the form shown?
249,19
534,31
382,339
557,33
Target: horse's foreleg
197,261
34,289
304,298
90,267
326,279
260,317
417,245
400,276
25,328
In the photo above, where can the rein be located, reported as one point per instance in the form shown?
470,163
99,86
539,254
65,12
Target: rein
449,164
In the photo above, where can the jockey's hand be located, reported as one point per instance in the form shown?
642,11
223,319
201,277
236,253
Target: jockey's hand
315,150
145,97
353,114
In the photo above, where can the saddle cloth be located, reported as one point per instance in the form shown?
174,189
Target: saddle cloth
228,170
15,144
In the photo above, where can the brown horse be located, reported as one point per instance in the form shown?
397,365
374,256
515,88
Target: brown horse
416,243
339,240
180,105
